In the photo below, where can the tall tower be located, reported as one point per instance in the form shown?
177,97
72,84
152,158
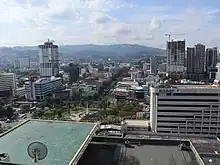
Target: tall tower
200,59
190,60
175,56
153,65
48,59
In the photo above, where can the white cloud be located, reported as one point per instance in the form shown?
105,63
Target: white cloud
95,21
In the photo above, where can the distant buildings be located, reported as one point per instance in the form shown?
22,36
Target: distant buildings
153,65
201,63
185,109
48,59
22,63
7,84
175,58
134,72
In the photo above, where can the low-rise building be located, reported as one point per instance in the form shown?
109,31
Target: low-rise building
7,84
42,88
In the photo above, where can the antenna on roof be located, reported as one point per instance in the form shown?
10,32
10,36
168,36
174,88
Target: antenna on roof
37,151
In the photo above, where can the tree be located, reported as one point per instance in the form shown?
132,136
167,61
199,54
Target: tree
8,112
59,114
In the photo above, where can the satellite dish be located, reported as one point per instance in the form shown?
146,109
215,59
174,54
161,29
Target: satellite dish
37,151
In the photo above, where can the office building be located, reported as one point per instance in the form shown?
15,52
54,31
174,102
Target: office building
185,109
7,84
43,88
153,65
48,59
175,56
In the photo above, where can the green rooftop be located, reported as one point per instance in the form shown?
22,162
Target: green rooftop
63,140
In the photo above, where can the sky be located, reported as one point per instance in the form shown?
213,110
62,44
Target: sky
76,22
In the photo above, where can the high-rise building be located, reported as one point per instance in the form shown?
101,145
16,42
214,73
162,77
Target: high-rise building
153,65
211,61
48,59
7,84
175,56
196,62
190,60
200,62
73,71
211,57
185,109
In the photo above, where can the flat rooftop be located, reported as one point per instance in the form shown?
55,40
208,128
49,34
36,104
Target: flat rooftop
197,86
63,140
116,154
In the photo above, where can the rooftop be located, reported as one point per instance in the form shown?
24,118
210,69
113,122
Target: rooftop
197,86
63,140
116,154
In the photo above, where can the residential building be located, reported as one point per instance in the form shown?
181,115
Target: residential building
185,109
190,61
175,57
200,62
48,59
211,61
7,84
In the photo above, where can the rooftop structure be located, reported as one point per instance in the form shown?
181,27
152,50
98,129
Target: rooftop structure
154,149
65,141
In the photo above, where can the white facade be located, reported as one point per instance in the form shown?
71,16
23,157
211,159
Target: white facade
48,59
8,82
43,88
188,109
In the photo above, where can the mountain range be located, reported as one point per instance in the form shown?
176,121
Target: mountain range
84,51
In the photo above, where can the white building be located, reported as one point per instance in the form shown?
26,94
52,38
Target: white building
48,59
188,109
7,84
43,88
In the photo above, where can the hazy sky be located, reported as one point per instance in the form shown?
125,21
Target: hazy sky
26,22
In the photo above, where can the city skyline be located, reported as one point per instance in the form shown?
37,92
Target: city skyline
108,22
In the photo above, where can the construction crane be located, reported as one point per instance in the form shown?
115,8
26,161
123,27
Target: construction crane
171,34
48,40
